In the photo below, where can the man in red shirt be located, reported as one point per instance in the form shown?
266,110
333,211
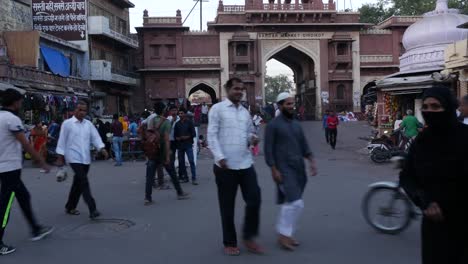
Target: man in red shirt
332,124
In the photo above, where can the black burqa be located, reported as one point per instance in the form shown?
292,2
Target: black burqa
436,170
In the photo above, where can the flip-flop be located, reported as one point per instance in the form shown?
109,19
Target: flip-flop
232,251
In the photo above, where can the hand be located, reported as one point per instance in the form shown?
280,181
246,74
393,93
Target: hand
167,161
105,154
313,169
254,140
277,177
434,213
60,162
223,164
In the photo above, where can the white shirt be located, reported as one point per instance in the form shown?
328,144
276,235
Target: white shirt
465,121
75,140
277,112
11,152
204,109
397,124
229,131
171,136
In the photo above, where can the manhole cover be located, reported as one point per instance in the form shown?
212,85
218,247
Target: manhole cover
102,228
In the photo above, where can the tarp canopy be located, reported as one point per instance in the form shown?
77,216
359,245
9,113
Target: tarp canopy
57,62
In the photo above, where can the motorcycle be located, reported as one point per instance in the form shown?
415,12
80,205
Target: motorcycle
384,148
387,208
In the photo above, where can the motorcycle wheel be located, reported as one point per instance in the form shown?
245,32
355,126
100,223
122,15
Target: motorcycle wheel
392,215
378,155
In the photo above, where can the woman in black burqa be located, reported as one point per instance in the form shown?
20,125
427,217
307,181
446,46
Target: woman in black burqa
435,176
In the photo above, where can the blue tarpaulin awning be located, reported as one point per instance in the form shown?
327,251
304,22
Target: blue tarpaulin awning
57,62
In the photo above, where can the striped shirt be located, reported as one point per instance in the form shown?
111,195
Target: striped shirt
230,129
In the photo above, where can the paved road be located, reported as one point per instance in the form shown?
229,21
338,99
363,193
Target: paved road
171,231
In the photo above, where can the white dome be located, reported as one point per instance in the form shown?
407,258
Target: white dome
425,41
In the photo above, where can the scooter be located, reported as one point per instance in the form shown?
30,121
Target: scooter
383,149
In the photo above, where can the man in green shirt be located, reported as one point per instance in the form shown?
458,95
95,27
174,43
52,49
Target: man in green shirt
410,125
163,158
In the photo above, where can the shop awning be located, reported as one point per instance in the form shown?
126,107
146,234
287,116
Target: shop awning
6,86
57,62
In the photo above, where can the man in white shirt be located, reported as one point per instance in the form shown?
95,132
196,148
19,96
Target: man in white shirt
204,111
230,134
11,162
74,145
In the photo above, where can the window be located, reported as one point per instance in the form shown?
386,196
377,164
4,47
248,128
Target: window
155,50
171,51
241,50
342,49
242,68
102,55
340,92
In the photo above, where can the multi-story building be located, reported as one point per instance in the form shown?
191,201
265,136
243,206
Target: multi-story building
111,47
335,58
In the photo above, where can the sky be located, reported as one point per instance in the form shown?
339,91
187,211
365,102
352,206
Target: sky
169,7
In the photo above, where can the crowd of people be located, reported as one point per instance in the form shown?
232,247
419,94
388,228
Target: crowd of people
434,174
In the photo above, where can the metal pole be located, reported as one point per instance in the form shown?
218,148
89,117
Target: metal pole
201,15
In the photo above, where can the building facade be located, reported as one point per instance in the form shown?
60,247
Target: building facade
334,57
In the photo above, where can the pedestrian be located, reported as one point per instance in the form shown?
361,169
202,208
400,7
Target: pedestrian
411,125
204,111
285,150
54,129
325,126
39,138
435,177
464,110
173,118
163,126
117,139
230,134
332,126
13,141
133,128
74,146
197,114
184,133
302,113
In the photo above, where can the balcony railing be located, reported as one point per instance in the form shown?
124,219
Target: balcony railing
40,77
99,25
162,20
101,70
343,58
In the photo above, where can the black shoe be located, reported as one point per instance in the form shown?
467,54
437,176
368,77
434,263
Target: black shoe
94,215
42,232
194,182
185,180
5,250
183,196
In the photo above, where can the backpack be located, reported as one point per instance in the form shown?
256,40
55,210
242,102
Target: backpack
151,140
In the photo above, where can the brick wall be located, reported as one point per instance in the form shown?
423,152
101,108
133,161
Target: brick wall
15,15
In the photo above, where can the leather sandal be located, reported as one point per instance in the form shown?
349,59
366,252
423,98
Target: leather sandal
232,251
253,247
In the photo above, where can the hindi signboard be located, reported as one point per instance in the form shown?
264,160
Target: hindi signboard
65,19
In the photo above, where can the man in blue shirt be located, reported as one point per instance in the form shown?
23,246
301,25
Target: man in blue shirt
133,128
324,124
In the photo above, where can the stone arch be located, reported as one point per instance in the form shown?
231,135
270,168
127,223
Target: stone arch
205,87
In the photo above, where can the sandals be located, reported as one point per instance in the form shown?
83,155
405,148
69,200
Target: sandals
72,212
253,247
232,251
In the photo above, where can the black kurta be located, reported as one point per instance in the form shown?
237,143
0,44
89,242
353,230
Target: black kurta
286,148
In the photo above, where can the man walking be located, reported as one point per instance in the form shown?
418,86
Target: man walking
332,126
76,137
204,111
159,123
13,140
325,125
230,134
184,132
285,150
117,139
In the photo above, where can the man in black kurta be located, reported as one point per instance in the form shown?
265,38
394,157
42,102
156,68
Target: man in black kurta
285,150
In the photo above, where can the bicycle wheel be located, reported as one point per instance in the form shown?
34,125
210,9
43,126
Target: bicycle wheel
379,155
387,210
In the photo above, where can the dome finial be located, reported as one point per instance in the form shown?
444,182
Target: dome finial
442,6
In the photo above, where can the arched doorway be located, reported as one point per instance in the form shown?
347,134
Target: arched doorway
303,67
369,95
199,93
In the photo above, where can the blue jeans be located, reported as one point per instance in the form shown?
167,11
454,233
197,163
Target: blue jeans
181,156
117,146
151,168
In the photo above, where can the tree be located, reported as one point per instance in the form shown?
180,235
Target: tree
376,13
274,85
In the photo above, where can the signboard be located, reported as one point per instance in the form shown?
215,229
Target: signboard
295,35
65,19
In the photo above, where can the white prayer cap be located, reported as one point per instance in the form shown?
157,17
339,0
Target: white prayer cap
283,96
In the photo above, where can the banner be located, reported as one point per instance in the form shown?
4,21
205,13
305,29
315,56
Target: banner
65,19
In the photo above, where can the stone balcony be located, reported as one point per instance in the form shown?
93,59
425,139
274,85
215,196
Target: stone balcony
30,77
99,25
101,70
279,7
